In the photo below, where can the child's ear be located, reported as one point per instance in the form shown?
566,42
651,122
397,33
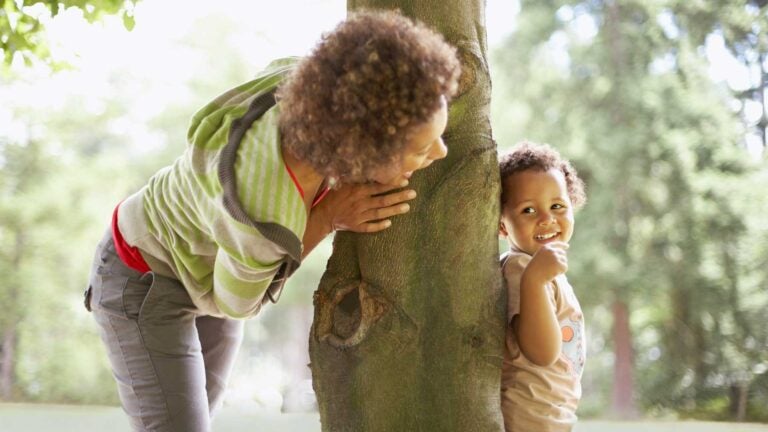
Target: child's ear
502,230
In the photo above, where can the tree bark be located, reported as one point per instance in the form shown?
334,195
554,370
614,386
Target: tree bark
739,400
763,123
7,355
408,331
9,322
623,404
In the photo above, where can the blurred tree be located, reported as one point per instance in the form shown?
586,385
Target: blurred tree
622,89
743,25
22,30
46,214
409,323
63,167
23,168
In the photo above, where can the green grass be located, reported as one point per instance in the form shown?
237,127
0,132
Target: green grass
61,418
667,426
38,418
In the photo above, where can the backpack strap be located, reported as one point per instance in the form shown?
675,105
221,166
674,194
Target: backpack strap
503,258
273,232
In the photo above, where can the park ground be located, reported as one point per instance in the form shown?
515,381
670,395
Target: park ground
39,418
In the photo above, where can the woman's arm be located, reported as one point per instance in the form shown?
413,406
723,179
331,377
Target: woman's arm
364,208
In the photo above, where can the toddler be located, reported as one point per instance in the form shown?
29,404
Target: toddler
545,344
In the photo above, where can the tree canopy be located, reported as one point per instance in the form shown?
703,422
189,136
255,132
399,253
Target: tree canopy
675,227
672,228
22,24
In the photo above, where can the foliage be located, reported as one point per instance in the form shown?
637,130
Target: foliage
675,225
22,24
623,90
63,167
743,25
49,206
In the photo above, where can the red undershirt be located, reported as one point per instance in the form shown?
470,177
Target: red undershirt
130,255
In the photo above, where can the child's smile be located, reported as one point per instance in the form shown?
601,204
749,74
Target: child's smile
544,237
537,210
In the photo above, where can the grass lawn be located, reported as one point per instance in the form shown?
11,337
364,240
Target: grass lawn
39,418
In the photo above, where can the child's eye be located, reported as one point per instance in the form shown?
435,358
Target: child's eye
529,210
557,206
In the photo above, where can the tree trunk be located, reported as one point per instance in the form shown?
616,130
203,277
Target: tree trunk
623,404
7,354
762,97
9,321
408,331
739,398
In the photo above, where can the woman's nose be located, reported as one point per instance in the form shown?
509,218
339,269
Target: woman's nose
439,150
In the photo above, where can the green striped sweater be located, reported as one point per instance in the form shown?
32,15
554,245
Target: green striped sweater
178,220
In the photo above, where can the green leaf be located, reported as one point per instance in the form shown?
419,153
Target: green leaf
17,19
128,21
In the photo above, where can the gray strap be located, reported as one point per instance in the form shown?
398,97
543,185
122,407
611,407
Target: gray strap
503,259
273,232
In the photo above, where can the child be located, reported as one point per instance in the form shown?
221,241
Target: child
545,337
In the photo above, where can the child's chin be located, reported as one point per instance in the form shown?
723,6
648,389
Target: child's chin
530,250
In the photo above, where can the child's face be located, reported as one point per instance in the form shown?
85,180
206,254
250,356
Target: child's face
537,209
424,147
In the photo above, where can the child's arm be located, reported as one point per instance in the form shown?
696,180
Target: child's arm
536,327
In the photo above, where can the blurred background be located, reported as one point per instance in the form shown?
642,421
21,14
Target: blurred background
660,105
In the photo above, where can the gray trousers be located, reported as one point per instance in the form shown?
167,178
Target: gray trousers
170,362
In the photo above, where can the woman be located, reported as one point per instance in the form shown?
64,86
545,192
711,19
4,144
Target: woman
199,246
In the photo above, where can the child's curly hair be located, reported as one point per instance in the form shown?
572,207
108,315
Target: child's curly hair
541,157
350,106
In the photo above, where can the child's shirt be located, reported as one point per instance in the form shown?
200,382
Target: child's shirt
542,398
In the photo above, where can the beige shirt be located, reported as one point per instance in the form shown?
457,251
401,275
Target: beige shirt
542,398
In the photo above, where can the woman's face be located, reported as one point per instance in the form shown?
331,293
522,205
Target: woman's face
424,146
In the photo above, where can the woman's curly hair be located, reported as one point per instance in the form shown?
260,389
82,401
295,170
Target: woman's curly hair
350,106
541,157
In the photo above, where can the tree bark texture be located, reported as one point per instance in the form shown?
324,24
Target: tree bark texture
623,404
9,322
7,356
408,332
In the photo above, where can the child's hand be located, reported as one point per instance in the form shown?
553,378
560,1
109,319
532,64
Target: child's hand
548,262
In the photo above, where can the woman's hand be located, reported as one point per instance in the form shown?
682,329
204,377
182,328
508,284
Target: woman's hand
365,208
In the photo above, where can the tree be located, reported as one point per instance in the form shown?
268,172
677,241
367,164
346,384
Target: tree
743,25
22,28
79,166
46,213
621,89
409,323
22,167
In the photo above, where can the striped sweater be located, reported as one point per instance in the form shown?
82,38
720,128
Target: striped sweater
180,225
